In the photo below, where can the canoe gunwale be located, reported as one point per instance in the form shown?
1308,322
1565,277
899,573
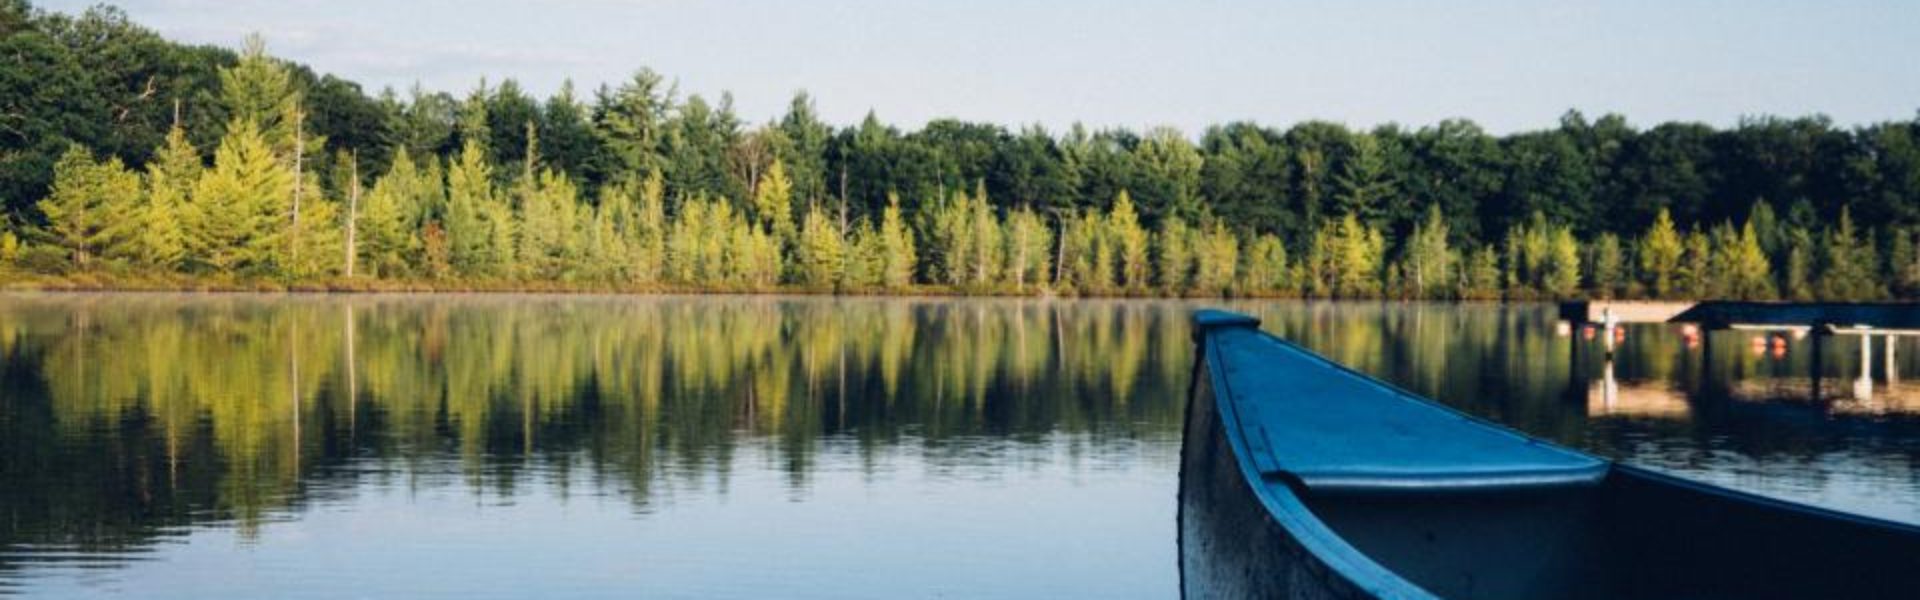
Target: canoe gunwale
1281,498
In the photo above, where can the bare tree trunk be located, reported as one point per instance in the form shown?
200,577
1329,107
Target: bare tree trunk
353,212
299,158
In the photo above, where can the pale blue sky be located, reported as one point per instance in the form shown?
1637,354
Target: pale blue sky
1507,65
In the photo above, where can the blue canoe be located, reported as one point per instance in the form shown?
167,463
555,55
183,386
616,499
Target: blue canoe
1301,478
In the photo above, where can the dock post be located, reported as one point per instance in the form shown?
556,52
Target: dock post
1608,322
1863,387
1818,334
1893,372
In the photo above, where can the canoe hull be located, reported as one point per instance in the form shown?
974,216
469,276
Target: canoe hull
1251,532
1231,544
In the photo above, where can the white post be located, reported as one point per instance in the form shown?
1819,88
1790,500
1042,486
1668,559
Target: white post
1863,387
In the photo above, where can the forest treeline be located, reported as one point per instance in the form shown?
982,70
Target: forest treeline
127,160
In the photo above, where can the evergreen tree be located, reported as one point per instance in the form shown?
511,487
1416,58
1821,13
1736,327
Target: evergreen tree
1216,259
1356,257
772,202
896,247
821,255
237,218
1365,182
1849,266
950,239
1429,262
1798,285
1267,265
388,243
1609,273
1562,278
86,210
470,201
261,91
1131,241
1481,278
1903,263
548,222
1748,274
171,175
1660,252
987,239
1696,278
1029,242
1176,248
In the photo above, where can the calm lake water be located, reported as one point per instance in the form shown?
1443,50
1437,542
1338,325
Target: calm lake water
515,446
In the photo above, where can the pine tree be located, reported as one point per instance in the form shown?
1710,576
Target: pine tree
1083,245
1355,257
261,91
86,210
987,238
1029,242
548,225
170,178
470,198
386,232
1798,285
1696,277
1216,259
1849,266
1267,265
236,220
1747,272
821,254
1429,262
1175,243
950,241
1609,266
772,201
1480,279
1131,240
1562,278
639,215
1903,263
1660,252
1365,182
896,248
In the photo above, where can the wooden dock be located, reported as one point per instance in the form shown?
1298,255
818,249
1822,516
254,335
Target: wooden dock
1896,318
1581,312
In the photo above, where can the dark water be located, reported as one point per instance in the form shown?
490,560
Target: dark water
507,446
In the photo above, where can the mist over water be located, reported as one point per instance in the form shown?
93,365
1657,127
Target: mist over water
726,446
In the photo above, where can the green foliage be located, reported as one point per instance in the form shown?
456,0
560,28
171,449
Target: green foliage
1267,268
470,201
1029,249
638,186
86,213
821,255
1481,278
162,240
1175,242
237,217
1427,265
388,242
1562,276
1609,272
1130,240
1744,265
1216,259
772,202
1660,251
1345,259
1849,265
